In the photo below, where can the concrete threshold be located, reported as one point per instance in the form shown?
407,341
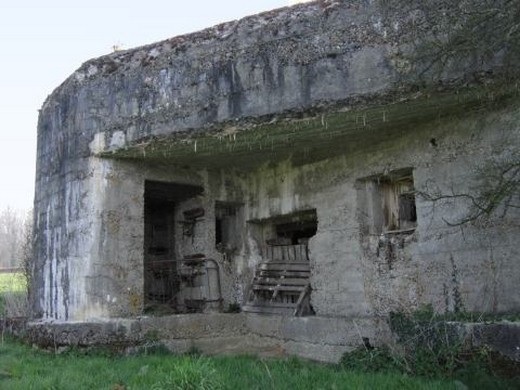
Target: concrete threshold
317,338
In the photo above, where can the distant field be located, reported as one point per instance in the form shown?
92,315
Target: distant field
12,282
13,296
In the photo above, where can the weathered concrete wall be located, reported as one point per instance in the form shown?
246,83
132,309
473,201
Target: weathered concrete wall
439,263
87,210
103,252
327,56
436,261
351,274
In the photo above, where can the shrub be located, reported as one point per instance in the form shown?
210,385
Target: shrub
372,360
429,346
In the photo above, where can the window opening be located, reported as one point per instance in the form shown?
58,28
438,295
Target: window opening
398,202
390,202
286,237
297,232
228,227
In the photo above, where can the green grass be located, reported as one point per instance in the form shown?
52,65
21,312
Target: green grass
15,282
24,368
13,294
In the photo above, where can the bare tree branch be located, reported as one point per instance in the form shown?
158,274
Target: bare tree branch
498,190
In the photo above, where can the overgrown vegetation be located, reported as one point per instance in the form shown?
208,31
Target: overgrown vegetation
24,368
430,346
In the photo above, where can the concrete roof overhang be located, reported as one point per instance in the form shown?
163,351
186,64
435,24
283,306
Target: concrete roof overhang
312,135
302,83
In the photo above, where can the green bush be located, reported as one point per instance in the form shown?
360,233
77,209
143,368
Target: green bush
429,346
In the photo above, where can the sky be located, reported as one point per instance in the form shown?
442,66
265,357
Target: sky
43,42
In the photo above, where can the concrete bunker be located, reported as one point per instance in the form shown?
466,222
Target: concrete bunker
273,164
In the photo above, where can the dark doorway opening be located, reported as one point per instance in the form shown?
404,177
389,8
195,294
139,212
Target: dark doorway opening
228,226
161,281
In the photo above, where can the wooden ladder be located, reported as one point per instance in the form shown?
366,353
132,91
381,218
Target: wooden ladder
280,287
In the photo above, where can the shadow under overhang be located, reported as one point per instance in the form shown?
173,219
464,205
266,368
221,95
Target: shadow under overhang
310,137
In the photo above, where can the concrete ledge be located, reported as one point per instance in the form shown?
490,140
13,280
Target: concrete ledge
317,330
239,345
323,339
132,331
317,338
318,352
190,326
114,332
503,337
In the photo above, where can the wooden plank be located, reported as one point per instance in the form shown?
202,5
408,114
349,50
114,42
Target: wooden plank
264,287
268,310
288,289
268,263
284,288
279,274
283,281
286,253
272,304
303,295
257,287
284,266
303,253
